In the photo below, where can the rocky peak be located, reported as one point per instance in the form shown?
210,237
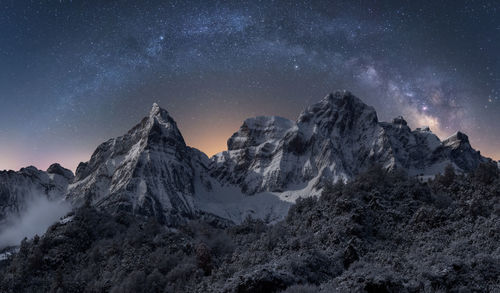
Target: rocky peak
160,115
18,189
258,130
149,171
162,128
423,129
458,148
399,121
59,170
457,140
156,110
340,109
29,170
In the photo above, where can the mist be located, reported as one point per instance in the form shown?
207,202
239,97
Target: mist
38,215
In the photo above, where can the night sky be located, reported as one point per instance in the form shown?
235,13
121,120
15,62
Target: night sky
76,73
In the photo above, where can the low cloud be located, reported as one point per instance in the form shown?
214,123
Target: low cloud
38,215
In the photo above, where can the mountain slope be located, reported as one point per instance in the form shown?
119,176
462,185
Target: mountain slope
380,232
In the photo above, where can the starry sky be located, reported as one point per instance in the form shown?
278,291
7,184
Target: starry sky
76,73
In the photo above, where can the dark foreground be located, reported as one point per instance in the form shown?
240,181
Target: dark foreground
380,233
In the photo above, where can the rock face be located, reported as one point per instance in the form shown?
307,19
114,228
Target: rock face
17,188
335,139
149,171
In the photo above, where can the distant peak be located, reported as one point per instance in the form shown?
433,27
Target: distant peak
267,121
457,140
424,129
399,121
58,169
28,169
458,136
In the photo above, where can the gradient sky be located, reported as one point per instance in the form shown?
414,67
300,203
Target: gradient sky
76,73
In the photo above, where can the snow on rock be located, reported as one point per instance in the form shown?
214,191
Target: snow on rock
332,140
149,171
17,189
270,162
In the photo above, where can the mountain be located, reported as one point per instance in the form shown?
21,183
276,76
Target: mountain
148,171
161,216
151,171
270,162
17,189
334,139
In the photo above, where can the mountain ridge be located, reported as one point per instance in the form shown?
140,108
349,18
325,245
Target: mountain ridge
270,162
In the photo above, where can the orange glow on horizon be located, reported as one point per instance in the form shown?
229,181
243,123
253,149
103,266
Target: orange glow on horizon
210,142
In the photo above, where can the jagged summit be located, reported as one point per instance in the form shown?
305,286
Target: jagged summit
341,105
258,130
457,139
399,121
159,113
159,127
58,169
155,109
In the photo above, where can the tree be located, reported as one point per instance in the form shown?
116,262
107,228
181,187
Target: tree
448,177
486,173
204,258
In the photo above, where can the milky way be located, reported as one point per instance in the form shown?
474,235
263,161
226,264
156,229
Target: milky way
75,73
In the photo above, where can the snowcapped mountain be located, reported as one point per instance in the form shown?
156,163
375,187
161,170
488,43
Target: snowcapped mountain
270,162
332,140
149,171
18,188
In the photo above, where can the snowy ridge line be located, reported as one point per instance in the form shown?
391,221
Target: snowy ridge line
270,162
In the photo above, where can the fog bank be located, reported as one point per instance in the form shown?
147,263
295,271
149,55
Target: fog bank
39,214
